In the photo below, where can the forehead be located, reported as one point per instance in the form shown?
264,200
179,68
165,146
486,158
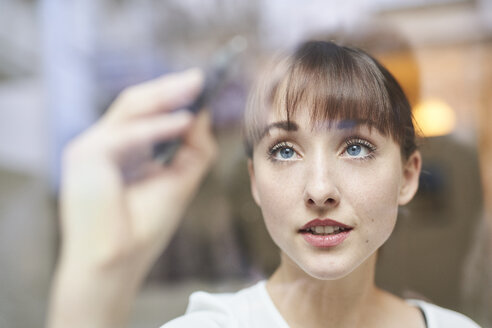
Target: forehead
307,119
323,86
305,125
320,99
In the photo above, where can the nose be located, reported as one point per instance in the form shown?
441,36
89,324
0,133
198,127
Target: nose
321,191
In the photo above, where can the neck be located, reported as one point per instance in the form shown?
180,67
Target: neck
305,301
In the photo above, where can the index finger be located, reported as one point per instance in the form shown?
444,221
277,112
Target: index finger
163,94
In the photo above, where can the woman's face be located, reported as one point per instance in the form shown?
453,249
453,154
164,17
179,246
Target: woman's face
330,194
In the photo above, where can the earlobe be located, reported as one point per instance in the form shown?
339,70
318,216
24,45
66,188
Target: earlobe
252,179
411,174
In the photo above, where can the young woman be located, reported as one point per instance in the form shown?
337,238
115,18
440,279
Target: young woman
332,156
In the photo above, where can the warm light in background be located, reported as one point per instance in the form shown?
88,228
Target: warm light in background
434,117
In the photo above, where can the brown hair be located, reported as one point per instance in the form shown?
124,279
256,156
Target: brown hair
335,83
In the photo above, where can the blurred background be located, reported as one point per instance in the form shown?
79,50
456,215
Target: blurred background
63,62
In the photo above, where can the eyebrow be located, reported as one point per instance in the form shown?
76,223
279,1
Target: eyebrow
292,126
282,125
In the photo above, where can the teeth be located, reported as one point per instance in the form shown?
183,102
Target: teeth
329,229
325,230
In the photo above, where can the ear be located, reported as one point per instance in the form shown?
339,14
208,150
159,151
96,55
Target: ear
411,174
252,179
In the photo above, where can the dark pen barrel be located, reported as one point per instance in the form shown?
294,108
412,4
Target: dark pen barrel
164,152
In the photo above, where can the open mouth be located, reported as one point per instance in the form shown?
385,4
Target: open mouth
325,233
324,230
322,227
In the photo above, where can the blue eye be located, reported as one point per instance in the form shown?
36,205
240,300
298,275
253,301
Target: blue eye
282,151
354,150
286,152
359,148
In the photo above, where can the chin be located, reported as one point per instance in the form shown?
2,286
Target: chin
331,272
327,268
334,265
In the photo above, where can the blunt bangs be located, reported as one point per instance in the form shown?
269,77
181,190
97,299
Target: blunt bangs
334,84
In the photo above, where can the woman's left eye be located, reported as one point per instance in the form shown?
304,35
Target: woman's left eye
359,148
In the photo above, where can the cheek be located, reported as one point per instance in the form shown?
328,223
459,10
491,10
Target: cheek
374,198
279,195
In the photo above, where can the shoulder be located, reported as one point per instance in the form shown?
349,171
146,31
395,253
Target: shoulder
248,307
437,316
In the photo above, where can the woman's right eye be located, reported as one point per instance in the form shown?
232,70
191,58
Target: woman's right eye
282,152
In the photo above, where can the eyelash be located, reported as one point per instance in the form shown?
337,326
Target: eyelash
351,141
276,147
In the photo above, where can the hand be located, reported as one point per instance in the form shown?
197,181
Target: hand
119,208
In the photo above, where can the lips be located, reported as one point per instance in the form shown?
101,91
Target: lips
324,223
325,232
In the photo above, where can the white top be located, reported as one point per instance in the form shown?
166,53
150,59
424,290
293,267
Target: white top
253,307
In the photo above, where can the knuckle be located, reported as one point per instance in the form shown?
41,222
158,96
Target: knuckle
129,97
127,93
140,134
